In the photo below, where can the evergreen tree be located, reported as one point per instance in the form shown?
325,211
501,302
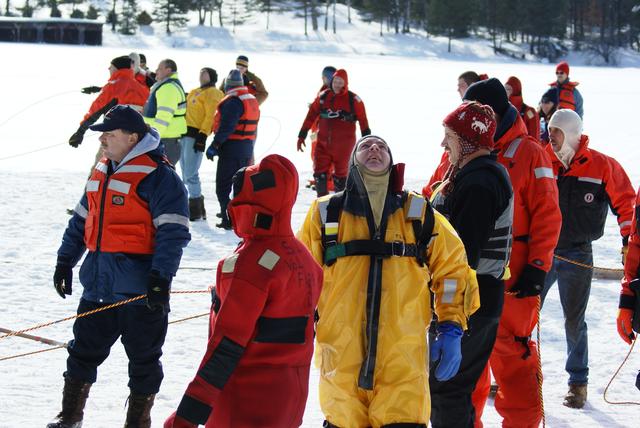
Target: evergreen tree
450,17
128,22
55,12
92,13
172,12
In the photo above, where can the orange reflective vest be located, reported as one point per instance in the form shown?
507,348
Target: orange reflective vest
247,126
118,220
565,95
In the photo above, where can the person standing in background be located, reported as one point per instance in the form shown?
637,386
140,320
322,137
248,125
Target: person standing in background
202,103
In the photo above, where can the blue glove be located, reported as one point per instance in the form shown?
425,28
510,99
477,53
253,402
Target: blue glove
446,348
212,151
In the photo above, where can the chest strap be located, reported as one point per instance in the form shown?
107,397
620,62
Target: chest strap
330,214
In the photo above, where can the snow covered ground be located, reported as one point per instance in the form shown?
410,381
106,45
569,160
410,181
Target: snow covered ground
406,94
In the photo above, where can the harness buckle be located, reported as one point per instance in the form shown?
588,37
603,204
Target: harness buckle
397,249
333,114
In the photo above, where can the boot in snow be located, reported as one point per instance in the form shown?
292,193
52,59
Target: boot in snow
203,212
576,397
225,223
321,184
195,212
139,411
74,397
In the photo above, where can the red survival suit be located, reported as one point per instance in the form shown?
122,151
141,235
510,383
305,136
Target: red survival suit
338,114
536,227
528,114
255,372
122,88
632,263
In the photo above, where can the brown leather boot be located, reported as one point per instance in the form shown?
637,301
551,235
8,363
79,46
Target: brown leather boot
139,411
74,397
576,397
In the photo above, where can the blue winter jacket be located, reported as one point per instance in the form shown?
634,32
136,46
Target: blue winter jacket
110,277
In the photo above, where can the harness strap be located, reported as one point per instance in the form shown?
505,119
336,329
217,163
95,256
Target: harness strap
369,247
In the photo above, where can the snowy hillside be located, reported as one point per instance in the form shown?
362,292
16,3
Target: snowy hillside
408,84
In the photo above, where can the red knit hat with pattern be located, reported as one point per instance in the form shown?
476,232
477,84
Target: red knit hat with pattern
475,124
564,67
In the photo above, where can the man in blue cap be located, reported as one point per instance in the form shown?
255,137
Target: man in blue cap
133,218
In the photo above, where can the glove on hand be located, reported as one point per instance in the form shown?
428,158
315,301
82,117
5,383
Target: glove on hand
200,143
175,421
530,283
91,89
301,144
62,279
212,151
446,348
76,139
624,325
157,291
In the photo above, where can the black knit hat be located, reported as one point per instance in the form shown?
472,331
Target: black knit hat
490,92
121,62
550,96
213,75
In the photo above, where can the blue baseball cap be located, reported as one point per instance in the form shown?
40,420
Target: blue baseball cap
122,117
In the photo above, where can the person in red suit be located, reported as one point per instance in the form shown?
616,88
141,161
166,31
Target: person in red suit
536,227
255,372
528,114
339,109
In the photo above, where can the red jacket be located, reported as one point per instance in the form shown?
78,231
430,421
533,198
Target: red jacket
122,88
118,220
632,265
338,114
536,213
591,184
255,371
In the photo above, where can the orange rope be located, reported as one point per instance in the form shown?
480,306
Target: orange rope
540,380
604,394
94,311
573,262
65,345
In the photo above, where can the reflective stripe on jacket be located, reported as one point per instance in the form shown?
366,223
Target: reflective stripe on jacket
118,220
166,108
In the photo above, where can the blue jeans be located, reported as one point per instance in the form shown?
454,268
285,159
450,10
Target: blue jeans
190,164
574,286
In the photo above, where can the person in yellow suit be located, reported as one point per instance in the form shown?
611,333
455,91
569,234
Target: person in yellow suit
384,252
166,108
202,103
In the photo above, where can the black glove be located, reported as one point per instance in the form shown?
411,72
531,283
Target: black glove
62,279
91,90
76,139
530,283
157,291
200,143
212,151
366,132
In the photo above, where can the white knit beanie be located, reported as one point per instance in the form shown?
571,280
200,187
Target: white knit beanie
570,124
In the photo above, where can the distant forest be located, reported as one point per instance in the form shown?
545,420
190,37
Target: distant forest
545,28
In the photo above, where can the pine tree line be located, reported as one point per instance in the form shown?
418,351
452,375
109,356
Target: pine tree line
546,28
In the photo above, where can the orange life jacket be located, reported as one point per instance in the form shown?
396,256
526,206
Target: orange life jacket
565,95
118,220
247,126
